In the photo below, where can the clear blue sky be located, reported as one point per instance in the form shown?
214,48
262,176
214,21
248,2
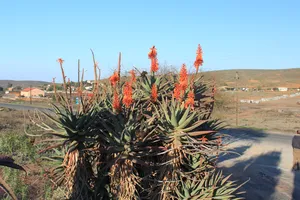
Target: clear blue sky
233,34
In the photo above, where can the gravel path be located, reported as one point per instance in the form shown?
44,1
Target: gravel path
265,160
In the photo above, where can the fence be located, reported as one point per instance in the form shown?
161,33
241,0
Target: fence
270,98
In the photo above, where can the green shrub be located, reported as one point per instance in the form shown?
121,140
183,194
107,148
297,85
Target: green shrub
17,145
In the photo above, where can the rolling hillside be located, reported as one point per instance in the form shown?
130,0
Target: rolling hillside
23,84
257,78
248,78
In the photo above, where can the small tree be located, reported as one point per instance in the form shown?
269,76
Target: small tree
58,87
50,88
259,88
17,88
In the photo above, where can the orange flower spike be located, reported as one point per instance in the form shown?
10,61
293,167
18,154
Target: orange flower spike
127,92
177,92
153,53
133,77
183,77
190,100
114,79
116,102
60,60
154,65
154,93
199,59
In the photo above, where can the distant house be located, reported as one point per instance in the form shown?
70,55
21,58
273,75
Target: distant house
282,89
33,92
90,81
89,88
10,89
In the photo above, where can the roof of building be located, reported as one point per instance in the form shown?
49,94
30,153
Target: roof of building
28,89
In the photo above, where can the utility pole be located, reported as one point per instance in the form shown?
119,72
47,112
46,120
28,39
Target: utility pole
78,73
30,94
237,100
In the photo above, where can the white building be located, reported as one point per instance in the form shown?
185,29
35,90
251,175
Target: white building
282,89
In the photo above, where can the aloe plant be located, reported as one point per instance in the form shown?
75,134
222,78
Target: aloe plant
150,137
211,186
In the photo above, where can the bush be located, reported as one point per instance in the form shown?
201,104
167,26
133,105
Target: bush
147,137
17,145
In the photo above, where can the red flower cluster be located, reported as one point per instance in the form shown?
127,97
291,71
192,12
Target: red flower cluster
133,77
116,102
183,77
177,92
114,79
199,60
190,100
154,62
183,83
154,65
127,92
154,92
60,60
153,53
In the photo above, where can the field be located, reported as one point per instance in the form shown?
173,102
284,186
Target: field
254,78
278,115
23,149
23,83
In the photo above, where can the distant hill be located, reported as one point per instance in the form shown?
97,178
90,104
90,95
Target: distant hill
257,77
247,78
23,84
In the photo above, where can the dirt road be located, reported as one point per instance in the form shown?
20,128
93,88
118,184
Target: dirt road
265,160
22,107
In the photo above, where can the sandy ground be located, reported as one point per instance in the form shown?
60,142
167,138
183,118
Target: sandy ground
280,115
265,161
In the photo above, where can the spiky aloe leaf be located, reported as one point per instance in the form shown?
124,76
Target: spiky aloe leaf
213,186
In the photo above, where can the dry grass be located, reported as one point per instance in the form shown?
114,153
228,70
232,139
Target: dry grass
281,115
12,120
256,78
15,143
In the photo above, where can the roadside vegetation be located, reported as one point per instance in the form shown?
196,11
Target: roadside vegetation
146,136
24,151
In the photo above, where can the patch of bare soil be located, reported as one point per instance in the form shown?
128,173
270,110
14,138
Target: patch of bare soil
279,115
